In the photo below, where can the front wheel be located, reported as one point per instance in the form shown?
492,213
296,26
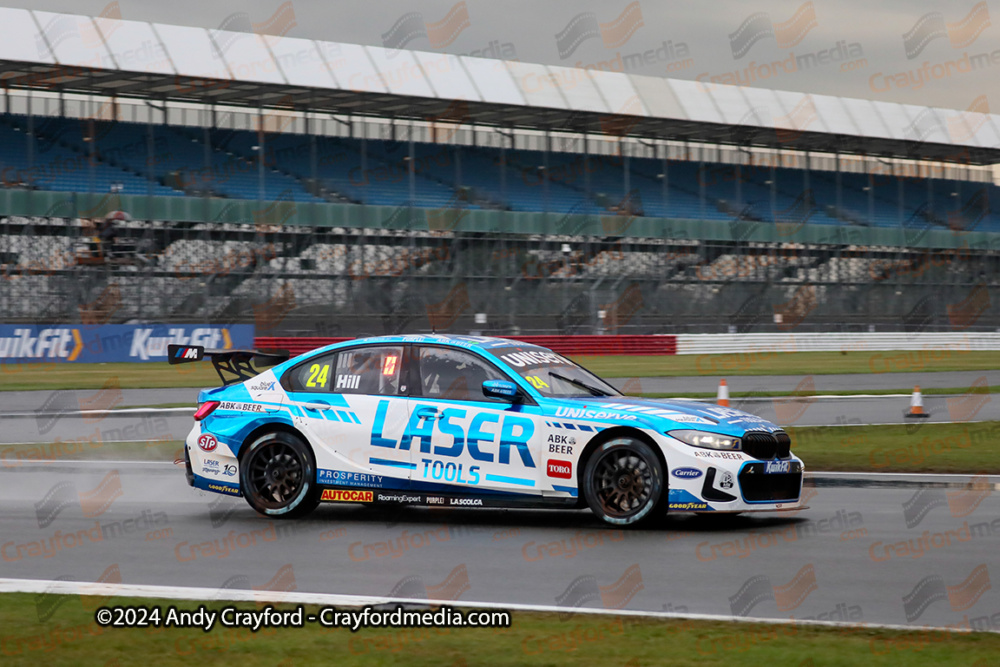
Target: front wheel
278,476
623,481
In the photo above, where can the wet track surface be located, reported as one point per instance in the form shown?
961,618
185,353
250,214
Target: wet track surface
64,400
817,383
134,425
829,561
873,553
809,411
138,424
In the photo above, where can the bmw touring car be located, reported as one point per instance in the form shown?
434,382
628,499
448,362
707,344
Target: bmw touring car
463,421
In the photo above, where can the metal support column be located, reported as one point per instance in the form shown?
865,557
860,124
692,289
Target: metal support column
701,181
545,175
260,157
665,177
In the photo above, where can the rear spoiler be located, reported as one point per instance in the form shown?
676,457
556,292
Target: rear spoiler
235,363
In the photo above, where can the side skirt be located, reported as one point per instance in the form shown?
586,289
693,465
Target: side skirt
383,497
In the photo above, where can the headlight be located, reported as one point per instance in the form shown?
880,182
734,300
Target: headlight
706,439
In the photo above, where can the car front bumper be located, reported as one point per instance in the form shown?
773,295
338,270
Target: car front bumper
703,480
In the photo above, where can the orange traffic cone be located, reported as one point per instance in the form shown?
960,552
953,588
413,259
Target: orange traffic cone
917,405
722,398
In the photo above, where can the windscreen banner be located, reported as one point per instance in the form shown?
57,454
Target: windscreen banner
82,343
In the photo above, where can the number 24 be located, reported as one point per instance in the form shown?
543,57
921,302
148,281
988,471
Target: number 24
536,382
318,375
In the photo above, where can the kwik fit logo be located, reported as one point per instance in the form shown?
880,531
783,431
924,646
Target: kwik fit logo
146,345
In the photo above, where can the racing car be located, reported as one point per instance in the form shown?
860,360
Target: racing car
469,421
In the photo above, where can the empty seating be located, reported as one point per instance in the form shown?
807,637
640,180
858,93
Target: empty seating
75,155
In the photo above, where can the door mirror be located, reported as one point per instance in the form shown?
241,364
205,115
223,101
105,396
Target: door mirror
502,389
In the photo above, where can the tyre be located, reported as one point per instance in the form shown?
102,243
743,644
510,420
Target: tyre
623,482
278,476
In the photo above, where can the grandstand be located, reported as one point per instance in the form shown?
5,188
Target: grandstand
90,155
310,187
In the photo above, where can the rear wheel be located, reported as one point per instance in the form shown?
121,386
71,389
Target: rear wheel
277,475
623,481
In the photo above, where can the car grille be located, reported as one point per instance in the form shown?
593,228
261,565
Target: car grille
767,446
759,486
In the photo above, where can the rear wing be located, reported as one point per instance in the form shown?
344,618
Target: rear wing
234,363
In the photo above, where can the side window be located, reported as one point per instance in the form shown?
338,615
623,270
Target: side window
314,375
454,374
369,370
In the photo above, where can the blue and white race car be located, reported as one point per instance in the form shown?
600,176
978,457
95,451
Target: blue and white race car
471,422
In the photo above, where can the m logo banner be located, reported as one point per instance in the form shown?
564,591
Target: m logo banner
113,342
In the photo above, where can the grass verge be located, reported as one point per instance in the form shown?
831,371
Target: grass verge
69,636
53,376
790,363
916,448
931,391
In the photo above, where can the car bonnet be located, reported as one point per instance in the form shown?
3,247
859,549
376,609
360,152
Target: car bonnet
667,414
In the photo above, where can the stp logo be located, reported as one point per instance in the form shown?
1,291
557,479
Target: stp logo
560,469
208,442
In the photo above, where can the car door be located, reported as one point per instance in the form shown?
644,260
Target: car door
459,439
353,405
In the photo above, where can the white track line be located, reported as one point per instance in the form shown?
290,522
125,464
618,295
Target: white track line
58,587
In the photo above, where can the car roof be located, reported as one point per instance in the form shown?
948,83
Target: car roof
482,342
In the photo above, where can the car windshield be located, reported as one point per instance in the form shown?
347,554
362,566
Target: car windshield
552,374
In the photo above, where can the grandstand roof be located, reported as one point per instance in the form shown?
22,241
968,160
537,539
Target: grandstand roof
113,57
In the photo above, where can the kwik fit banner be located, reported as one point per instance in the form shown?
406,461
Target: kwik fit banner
113,342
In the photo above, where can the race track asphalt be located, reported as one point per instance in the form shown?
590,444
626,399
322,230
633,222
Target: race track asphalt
820,384
68,400
141,524
138,424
